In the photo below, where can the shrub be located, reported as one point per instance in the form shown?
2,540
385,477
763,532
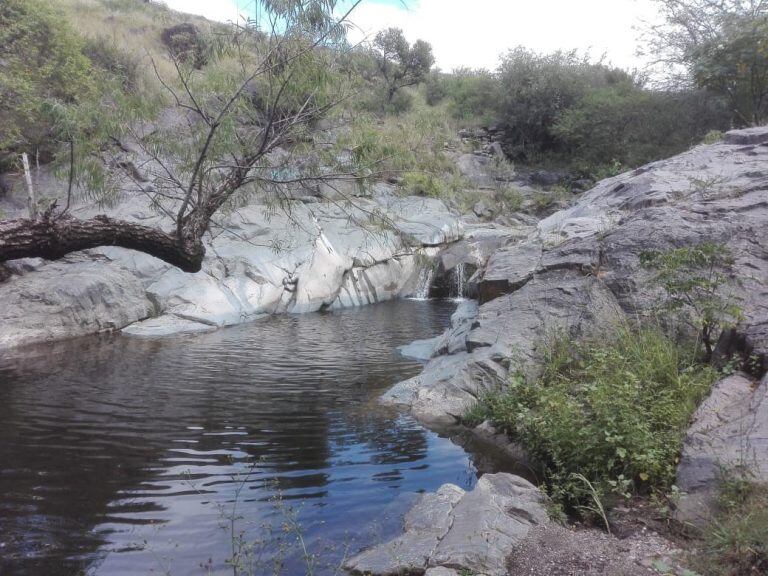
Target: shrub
612,411
107,56
696,279
186,44
473,96
42,64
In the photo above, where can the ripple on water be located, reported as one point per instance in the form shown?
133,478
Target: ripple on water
124,456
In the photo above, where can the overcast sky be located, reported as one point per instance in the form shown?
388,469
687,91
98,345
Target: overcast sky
475,32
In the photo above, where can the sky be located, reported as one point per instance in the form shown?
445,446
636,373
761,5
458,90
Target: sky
474,33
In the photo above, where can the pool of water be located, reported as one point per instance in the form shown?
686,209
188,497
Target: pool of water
260,445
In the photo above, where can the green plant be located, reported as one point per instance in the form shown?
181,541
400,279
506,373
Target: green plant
736,542
695,280
713,137
612,411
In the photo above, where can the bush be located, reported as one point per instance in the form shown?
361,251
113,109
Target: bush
107,56
537,89
186,44
473,96
612,411
42,65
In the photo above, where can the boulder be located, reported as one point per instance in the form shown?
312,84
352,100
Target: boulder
452,530
728,436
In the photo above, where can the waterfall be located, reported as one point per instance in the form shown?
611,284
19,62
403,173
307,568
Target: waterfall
425,283
459,280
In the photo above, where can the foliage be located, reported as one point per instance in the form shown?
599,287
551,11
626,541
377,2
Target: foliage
735,66
472,95
695,280
186,44
43,65
399,63
631,126
612,411
107,56
736,542
537,88
716,44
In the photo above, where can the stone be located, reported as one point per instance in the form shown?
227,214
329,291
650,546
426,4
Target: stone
729,435
425,524
329,257
488,522
746,136
452,530
508,269
476,169
482,209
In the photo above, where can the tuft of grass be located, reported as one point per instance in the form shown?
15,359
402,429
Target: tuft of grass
736,542
607,416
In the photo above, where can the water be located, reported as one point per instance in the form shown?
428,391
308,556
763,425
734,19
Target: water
121,456
459,281
425,283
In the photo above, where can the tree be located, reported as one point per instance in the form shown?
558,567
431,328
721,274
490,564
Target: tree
538,88
715,44
279,85
399,63
696,280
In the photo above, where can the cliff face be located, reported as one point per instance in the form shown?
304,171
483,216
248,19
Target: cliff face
316,255
579,269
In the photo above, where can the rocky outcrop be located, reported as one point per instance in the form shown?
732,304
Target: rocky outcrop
259,261
452,530
728,438
579,270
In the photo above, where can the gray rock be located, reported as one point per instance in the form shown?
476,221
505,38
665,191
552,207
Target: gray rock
477,169
488,522
425,524
420,349
329,257
452,530
758,135
729,435
165,325
508,269
69,298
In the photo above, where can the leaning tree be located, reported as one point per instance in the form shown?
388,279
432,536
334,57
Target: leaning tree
267,83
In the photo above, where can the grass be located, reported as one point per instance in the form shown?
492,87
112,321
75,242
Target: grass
736,542
607,416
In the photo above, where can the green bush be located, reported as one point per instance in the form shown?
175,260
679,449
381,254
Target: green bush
42,65
612,411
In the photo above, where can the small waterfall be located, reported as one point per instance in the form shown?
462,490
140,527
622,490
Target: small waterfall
459,280
425,283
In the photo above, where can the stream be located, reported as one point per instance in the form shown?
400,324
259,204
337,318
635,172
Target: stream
259,445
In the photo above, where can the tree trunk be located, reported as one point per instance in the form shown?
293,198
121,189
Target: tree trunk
53,238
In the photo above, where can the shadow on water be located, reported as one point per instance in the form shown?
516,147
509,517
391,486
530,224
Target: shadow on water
125,456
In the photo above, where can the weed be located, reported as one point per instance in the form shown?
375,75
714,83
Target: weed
611,412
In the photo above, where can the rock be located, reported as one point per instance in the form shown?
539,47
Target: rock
455,530
488,522
545,177
482,209
69,298
448,387
440,571
420,349
508,269
454,340
729,434
579,271
476,169
329,257
746,136
166,325
425,524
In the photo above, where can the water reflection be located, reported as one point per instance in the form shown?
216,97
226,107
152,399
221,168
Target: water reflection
124,456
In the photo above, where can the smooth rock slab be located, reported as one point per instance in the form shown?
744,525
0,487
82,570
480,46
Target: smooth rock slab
425,524
729,434
452,531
